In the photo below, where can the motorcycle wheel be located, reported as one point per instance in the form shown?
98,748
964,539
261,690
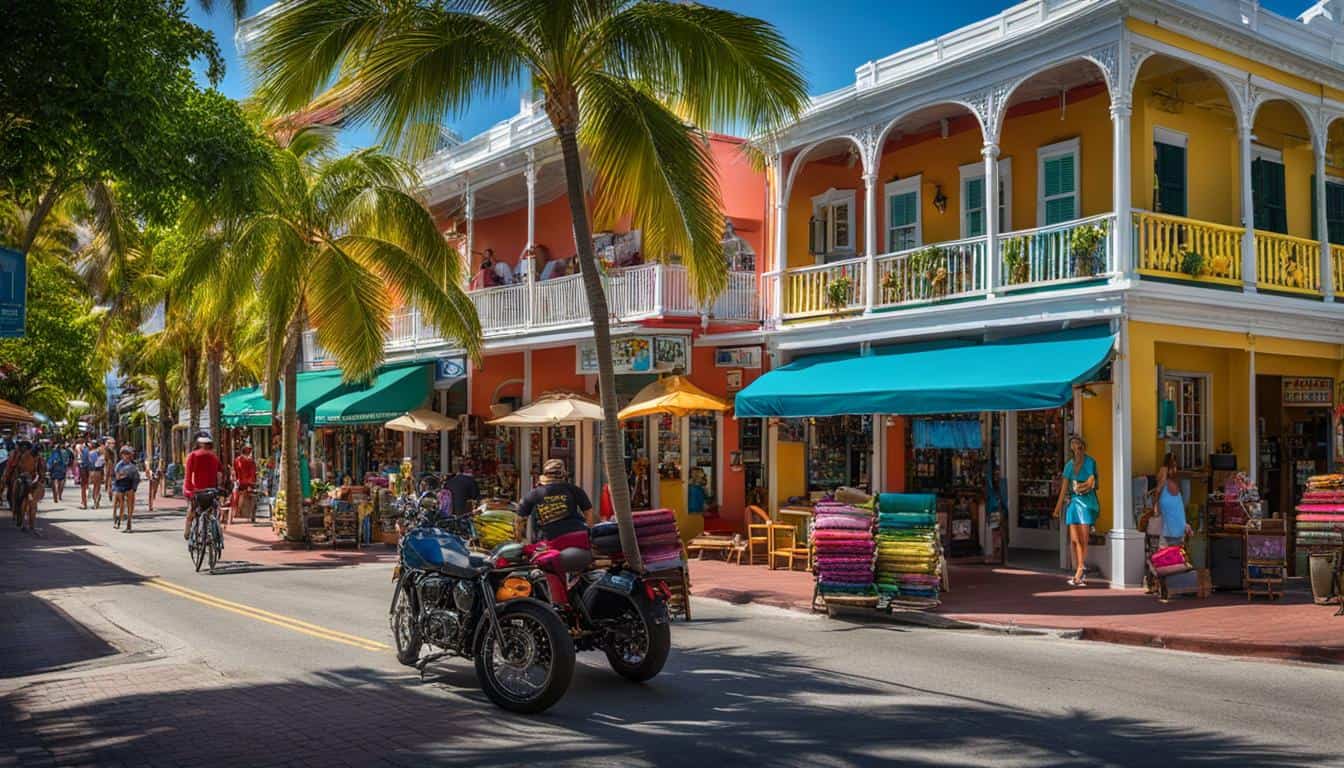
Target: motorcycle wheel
405,629
643,658
531,669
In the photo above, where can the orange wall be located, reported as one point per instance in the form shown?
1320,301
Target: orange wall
743,192
556,368
507,233
704,374
493,371
895,481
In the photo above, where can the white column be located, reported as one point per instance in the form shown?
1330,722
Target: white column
878,470
993,264
1122,255
771,466
525,434
1322,225
443,435
870,239
1252,463
530,177
1126,543
470,210
781,259
1247,207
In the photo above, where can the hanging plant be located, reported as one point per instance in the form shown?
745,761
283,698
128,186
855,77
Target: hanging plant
1192,263
931,264
1015,259
893,287
1085,245
838,292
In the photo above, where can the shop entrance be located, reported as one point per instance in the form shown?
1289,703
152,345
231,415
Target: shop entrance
1293,435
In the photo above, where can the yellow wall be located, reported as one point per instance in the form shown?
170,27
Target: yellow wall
812,180
1097,430
1213,159
791,469
1280,126
1089,121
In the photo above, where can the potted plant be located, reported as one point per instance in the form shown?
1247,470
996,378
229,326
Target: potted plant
837,293
893,287
1085,246
1015,259
1192,263
931,264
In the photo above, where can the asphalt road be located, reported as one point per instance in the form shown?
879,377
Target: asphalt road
291,666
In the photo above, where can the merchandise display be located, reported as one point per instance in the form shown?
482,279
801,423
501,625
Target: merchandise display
843,547
1320,514
659,541
494,527
909,549
1040,464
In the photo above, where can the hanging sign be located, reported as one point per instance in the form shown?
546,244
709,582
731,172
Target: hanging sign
13,293
449,369
738,357
669,354
638,354
1307,391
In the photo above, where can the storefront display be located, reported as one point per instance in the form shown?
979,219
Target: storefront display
1040,465
702,436
909,549
839,452
842,547
751,448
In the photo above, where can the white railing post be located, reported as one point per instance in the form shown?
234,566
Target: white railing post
781,259
1323,225
992,268
658,289
469,206
1248,271
1122,261
530,177
870,240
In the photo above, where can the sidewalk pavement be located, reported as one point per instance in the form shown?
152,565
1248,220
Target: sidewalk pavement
1007,599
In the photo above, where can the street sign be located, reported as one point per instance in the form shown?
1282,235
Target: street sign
449,369
13,293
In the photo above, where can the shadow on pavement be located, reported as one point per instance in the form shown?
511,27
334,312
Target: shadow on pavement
710,707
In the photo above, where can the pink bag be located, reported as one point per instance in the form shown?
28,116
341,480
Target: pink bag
1169,560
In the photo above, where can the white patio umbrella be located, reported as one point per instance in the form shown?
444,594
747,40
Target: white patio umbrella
421,420
550,409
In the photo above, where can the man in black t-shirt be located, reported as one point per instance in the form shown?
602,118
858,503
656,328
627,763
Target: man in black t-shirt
556,506
464,489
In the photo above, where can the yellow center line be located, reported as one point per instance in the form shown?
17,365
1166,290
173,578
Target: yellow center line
285,622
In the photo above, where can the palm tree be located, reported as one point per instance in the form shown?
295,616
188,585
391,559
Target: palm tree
625,83
332,242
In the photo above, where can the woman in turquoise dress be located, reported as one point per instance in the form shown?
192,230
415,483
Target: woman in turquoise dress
1079,492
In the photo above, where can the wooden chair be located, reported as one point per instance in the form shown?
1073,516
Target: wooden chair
788,549
761,531
737,550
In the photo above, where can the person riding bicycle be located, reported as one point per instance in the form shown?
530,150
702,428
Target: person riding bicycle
559,511
23,479
245,475
202,473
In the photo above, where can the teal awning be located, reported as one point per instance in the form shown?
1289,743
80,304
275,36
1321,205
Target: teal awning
246,407
250,408
1020,374
394,392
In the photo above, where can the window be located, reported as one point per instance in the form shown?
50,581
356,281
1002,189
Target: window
1169,171
1187,435
1057,187
1267,189
1334,209
832,233
973,198
904,228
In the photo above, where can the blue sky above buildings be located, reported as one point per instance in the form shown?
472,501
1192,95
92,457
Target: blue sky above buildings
831,37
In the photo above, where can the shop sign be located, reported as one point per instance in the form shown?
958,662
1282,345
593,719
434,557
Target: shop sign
1307,390
13,293
738,357
449,369
734,380
639,354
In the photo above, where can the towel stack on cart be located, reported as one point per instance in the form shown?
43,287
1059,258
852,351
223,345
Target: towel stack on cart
909,552
842,546
1320,514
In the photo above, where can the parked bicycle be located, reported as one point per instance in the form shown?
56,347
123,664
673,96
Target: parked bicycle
206,542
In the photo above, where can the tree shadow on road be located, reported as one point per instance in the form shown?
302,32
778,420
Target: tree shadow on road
714,706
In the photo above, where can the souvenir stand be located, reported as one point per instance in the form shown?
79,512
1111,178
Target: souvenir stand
1319,532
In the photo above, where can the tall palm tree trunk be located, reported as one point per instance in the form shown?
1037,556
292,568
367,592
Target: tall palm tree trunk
290,436
191,371
214,383
166,412
613,462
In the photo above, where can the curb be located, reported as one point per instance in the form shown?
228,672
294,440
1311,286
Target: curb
1319,654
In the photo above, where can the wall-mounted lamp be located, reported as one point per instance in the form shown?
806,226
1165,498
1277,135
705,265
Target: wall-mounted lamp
940,200
1089,392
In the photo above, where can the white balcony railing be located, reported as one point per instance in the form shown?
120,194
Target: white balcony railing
824,289
932,273
313,354
1075,250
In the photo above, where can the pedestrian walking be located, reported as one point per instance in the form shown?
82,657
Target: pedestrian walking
97,470
1079,491
85,470
110,460
58,464
126,478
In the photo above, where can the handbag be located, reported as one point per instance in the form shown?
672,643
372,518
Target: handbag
1154,527
1169,560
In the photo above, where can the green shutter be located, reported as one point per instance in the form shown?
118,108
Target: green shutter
1267,192
1059,210
1334,211
1059,180
1169,166
975,207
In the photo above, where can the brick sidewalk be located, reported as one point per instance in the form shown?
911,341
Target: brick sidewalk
1290,628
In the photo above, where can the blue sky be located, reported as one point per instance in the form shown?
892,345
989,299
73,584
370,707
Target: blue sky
832,38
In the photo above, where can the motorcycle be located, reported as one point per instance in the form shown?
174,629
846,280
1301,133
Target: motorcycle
615,610
460,603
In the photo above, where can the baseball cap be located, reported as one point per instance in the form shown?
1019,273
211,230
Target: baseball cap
554,468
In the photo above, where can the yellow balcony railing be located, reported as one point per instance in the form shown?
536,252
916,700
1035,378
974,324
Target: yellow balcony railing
1161,243
1287,263
1337,267
825,288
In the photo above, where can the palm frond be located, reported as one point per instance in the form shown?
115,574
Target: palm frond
649,164
349,307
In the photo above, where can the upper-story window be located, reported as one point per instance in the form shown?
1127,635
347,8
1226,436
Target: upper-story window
832,226
904,228
1268,190
1057,187
1169,171
973,198
1334,209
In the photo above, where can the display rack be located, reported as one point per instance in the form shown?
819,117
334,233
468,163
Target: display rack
1040,448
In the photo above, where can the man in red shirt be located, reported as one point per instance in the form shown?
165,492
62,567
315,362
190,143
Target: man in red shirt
202,473
245,475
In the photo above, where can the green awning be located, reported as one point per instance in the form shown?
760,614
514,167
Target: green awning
393,393
1019,374
250,408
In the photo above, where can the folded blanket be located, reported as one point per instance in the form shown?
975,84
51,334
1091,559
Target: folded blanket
1334,509
825,522
1320,517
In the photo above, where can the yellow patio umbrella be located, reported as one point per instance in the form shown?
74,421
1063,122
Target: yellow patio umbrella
675,395
551,409
421,420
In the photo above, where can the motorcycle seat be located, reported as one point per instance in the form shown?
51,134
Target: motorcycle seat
567,560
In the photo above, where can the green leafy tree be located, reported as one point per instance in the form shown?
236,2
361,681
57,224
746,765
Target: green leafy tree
53,363
625,85
332,243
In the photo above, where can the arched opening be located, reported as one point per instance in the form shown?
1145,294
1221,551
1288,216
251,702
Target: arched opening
1334,187
1283,194
825,199
1186,174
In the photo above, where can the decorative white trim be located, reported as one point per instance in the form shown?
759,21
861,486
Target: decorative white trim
828,201
903,187
972,171
1268,154
1049,152
1172,138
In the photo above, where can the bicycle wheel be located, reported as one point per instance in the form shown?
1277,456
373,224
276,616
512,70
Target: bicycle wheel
198,554
215,546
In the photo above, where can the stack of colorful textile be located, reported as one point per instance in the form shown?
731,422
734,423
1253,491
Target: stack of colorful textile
909,555
606,538
494,527
659,542
842,547
1320,515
